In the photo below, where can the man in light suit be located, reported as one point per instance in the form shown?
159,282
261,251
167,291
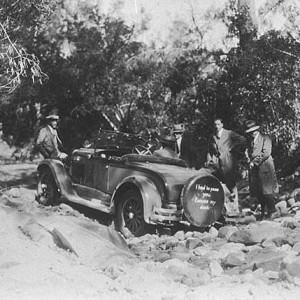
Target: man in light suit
224,147
262,176
48,142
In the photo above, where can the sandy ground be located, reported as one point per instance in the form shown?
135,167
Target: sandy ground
60,253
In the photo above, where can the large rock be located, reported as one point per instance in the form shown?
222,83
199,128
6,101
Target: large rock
267,259
257,233
192,243
180,235
233,259
277,241
242,236
292,265
215,268
201,278
227,231
201,262
296,247
161,256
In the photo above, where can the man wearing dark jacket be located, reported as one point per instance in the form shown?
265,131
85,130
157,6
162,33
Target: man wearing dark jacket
48,141
185,145
262,176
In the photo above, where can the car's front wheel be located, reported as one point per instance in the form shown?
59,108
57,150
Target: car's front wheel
47,191
130,214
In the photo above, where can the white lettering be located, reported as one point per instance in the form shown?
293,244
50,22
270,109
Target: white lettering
206,188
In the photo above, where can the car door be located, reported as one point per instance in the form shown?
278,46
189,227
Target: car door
97,172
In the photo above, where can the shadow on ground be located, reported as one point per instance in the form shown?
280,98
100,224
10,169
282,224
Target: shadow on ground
101,217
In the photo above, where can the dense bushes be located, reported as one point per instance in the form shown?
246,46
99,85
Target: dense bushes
98,76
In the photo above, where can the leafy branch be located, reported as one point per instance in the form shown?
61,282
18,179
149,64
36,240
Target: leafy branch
16,63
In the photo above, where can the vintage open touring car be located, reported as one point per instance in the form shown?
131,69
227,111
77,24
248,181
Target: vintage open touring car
120,176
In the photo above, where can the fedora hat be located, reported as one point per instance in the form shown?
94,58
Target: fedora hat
178,128
251,126
52,117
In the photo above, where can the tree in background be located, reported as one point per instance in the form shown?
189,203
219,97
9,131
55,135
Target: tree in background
20,21
260,82
86,66
99,76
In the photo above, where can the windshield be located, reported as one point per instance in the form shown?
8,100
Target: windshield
106,138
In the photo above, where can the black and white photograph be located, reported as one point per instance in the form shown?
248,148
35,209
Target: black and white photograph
149,149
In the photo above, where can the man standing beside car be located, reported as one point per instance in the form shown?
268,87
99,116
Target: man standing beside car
262,177
183,144
48,141
223,149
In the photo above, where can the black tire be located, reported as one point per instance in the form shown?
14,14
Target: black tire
130,214
47,191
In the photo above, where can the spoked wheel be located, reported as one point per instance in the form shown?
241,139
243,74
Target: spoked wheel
47,191
130,215
142,150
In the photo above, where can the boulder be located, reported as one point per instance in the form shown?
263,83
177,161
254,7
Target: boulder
233,259
242,236
227,231
161,256
267,259
200,251
201,262
180,235
215,268
192,243
296,247
202,278
293,267
171,243
277,241
257,233
181,256
213,232
188,234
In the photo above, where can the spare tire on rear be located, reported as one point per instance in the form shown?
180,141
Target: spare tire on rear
203,199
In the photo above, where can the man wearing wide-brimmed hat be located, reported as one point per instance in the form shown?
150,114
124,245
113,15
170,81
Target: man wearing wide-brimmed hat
183,144
178,130
262,176
48,141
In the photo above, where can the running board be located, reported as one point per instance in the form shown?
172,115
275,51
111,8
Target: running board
95,204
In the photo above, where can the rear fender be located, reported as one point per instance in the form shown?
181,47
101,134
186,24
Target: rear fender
63,181
150,195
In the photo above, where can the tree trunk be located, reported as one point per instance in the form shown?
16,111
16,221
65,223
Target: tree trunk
248,25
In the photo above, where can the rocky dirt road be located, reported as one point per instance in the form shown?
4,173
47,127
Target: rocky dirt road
63,252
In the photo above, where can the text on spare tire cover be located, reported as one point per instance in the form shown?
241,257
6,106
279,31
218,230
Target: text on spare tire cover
204,195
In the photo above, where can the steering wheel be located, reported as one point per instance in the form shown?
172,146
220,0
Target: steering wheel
141,150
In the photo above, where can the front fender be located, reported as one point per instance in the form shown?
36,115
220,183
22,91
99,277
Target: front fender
150,195
62,179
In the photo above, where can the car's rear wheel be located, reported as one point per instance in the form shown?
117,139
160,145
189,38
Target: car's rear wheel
130,214
47,191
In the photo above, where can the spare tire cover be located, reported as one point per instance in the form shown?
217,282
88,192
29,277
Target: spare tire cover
203,199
